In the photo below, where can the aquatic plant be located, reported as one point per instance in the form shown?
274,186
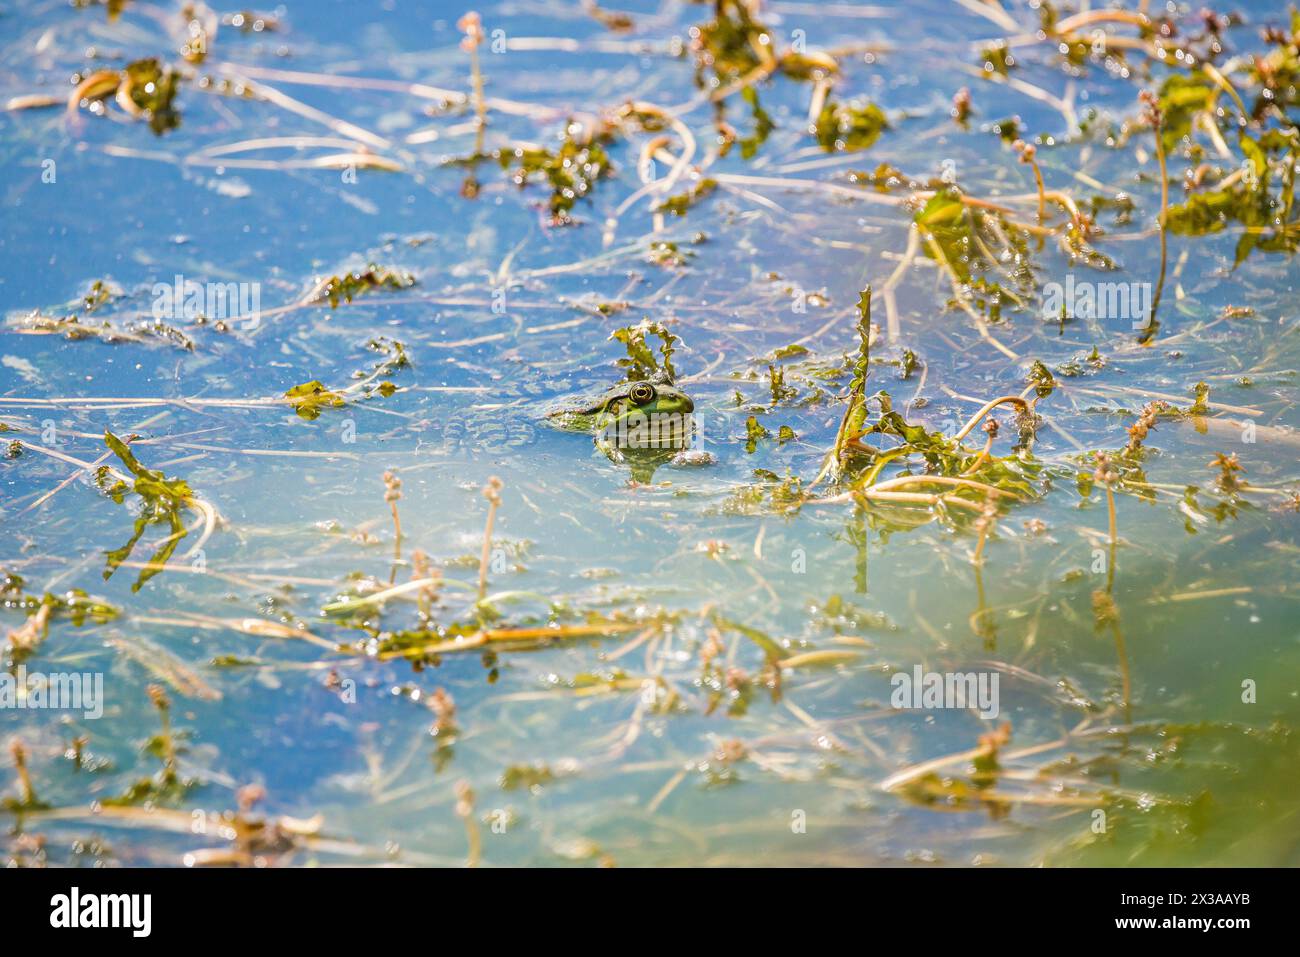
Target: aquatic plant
345,288
162,500
392,495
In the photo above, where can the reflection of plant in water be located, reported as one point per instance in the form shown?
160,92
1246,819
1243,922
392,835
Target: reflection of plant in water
465,810
168,784
1227,481
1104,610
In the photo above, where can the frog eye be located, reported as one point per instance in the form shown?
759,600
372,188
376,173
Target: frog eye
641,393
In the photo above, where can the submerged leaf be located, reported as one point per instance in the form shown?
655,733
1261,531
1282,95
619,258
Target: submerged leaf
571,171
841,127
163,500
679,204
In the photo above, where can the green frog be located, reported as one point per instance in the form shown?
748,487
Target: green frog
639,424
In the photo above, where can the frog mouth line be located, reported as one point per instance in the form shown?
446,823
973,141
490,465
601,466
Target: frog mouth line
640,430
680,405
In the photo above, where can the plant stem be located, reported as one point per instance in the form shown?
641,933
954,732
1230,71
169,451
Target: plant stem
1042,190
480,102
1157,123
465,808
161,702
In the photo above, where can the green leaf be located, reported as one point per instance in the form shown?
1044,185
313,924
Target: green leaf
679,204
754,433
762,639
571,171
763,125
153,89
309,398
840,128
641,362
1181,98
944,208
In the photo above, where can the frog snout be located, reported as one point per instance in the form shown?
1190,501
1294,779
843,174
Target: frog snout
687,405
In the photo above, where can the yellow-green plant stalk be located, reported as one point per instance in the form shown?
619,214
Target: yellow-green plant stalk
1155,116
1029,154
160,701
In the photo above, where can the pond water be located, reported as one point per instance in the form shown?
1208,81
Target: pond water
693,666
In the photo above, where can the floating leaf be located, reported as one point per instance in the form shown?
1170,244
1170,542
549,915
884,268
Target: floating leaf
729,44
1182,97
152,88
350,285
754,433
570,171
309,398
763,125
